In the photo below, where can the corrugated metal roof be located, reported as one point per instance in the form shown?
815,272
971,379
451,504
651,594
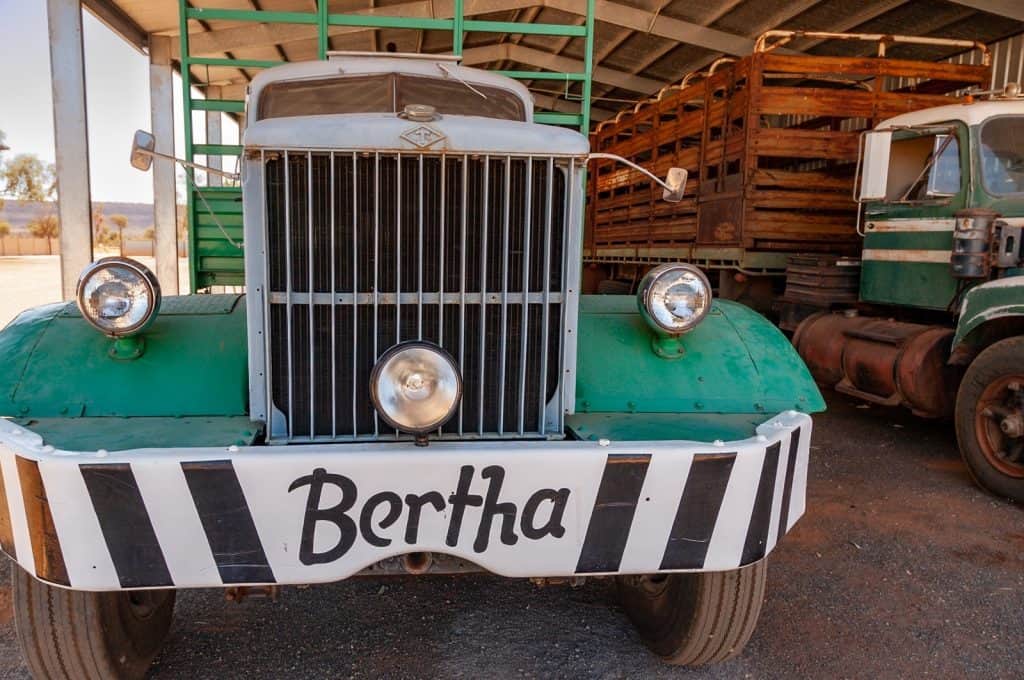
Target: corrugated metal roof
640,45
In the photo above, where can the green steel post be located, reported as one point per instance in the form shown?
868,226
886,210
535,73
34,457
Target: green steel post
588,68
457,28
323,41
186,98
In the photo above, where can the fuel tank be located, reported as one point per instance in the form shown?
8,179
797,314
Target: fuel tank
881,360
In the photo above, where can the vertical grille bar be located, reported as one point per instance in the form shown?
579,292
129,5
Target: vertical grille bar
524,329
419,255
549,202
355,291
376,271
312,311
506,203
462,277
334,311
484,210
440,255
288,279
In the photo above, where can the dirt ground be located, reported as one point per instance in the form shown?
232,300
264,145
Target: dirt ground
901,568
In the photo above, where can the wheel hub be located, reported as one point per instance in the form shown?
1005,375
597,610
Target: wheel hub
999,424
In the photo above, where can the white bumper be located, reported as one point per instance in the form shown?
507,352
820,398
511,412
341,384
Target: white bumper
200,517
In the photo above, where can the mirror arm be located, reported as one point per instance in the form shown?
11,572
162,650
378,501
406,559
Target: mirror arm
620,159
188,164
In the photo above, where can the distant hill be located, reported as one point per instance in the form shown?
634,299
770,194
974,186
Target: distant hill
20,213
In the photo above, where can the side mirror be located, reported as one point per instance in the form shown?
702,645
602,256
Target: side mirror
676,185
143,145
874,171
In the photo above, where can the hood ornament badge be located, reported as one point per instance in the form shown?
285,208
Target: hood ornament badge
422,136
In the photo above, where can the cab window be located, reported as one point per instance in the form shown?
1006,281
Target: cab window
386,93
1002,155
924,167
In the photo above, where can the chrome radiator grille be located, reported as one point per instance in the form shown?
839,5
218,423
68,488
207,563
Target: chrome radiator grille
366,250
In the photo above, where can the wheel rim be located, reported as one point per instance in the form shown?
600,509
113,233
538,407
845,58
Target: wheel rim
999,425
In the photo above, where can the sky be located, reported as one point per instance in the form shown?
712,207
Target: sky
117,99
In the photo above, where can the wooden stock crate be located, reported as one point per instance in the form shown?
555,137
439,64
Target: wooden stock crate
770,142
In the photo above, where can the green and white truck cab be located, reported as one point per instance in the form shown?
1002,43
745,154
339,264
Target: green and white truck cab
411,383
940,327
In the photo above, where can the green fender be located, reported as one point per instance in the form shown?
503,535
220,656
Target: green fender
55,365
734,362
999,299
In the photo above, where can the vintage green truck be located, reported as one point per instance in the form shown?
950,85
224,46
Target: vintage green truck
411,383
940,325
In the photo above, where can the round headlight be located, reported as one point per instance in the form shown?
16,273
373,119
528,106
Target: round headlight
416,387
674,297
118,296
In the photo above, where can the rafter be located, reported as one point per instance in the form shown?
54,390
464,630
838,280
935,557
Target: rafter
551,62
257,35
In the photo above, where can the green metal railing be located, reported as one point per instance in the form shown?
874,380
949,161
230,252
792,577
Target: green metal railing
215,258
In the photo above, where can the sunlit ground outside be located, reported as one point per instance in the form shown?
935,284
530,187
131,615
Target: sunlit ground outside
32,280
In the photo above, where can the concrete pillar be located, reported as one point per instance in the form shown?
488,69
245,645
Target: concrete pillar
67,76
165,224
214,119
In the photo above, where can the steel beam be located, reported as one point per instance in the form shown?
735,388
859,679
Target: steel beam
114,18
165,222
70,128
1011,9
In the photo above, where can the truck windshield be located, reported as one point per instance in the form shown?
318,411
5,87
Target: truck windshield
1002,155
386,93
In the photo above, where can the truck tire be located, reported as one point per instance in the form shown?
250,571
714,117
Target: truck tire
79,634
695,619
990,418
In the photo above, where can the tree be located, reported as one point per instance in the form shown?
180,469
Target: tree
149,234
47,226
120,221
5,228
27,178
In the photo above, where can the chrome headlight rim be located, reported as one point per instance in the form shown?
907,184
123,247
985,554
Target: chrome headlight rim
652,278
381,365
144,273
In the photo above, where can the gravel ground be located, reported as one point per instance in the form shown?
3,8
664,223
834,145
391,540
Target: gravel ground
901,568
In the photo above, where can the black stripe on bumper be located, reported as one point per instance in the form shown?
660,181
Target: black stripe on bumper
698,511
127,528
761,516
612,517
227,521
